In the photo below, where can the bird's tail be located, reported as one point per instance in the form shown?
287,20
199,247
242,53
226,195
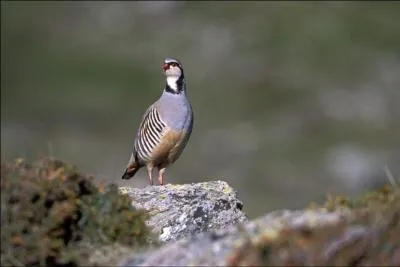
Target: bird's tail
131,169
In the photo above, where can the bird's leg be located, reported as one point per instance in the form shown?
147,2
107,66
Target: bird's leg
161,176
150,173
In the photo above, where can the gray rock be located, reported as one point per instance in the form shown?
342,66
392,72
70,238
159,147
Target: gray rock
214,248
179,210
310,237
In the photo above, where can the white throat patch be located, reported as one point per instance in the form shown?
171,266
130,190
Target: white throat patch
171,81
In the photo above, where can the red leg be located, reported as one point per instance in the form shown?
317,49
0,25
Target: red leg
150,173
161,176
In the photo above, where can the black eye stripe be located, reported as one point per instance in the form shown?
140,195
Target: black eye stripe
173,64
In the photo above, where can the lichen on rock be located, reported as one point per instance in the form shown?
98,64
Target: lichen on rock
184,209
364,233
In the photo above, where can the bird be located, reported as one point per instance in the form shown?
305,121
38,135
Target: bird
165,128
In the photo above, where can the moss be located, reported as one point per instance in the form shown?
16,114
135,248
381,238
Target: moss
49,210
370,238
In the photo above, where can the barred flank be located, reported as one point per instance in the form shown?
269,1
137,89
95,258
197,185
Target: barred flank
150,133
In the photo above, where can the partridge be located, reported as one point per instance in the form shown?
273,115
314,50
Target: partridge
165,128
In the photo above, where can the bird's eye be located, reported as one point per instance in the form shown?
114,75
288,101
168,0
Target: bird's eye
173,64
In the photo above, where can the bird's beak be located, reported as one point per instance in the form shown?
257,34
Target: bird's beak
165,66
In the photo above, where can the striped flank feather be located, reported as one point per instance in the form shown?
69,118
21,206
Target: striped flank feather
149,135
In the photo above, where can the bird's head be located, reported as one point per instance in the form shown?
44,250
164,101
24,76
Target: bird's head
172,68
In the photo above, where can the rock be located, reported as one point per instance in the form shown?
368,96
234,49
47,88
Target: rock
182,210
295,238
216,246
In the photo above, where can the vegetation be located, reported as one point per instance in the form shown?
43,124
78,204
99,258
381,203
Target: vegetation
50,213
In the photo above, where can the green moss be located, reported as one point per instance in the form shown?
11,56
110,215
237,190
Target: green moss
49,210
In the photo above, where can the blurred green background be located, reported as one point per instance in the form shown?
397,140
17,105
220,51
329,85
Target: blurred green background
292,100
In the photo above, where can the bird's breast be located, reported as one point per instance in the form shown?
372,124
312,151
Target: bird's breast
176,115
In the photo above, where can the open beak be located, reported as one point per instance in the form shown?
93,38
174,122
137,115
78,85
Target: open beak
165,66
